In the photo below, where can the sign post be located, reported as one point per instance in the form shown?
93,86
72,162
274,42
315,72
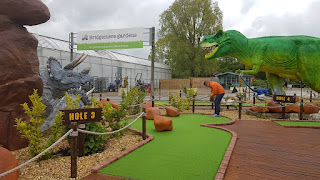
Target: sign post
74,117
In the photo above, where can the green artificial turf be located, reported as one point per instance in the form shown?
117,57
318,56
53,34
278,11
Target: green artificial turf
208,103
161,103
189,151
297,123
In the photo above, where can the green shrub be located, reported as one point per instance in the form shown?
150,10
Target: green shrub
134,96
189,93
94,143
112,118
32,131
177,101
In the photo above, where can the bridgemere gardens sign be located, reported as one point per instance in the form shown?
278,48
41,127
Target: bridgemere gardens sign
82,116
110,39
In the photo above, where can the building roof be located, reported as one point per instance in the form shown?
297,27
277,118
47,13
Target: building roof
232,73
63,45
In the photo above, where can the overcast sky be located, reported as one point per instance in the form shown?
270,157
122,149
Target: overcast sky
253,18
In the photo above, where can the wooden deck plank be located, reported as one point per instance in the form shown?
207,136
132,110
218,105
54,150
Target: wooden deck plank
266,150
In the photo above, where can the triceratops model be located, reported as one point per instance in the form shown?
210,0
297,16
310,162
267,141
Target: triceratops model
293,57
57,81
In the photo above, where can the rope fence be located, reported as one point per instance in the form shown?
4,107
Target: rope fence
73,133
37,156
112,132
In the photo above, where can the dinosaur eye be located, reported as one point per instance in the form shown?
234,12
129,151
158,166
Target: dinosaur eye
69,75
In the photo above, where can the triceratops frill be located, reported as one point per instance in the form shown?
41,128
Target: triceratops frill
57,81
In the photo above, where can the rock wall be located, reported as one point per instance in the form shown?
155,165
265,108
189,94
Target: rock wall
19,64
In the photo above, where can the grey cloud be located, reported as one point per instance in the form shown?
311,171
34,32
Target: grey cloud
247,5
288,24
85,15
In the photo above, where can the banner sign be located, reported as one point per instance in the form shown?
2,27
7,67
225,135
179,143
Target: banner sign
284,99
82,115
110,39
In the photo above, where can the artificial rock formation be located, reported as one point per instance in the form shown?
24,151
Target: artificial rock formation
273,107
259,109
293,108
114,104
162,123
148,104
172,111
310,108
8,162
152,112
19,69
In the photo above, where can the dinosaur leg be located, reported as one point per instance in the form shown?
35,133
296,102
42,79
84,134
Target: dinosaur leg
276,84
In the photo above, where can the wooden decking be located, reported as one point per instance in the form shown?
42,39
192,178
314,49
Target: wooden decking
265,150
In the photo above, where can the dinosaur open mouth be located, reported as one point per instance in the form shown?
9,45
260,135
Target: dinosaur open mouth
211,50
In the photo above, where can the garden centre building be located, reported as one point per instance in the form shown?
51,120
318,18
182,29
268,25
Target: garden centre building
104,63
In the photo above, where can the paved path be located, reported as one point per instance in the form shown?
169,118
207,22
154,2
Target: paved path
266,150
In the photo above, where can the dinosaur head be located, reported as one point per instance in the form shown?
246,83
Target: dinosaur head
65,78
217,45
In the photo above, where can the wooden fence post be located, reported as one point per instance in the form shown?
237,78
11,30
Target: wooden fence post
193,102
73,149
81,140
310,95
301,109
144,124
254,98
159,90
240,108
283,111
212,104
152,101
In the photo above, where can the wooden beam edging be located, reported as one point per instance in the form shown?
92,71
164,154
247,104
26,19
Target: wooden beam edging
102,165
225,161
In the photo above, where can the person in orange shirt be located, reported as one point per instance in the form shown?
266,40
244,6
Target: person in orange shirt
218,91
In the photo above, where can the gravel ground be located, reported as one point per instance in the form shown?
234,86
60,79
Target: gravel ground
59,168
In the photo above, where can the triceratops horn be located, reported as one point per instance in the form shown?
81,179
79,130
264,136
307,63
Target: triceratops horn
81,60
90,91
72,64
86,70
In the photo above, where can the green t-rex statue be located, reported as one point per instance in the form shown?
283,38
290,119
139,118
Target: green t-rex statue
293,57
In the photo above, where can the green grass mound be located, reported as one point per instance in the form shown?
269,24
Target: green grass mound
189,151
297,123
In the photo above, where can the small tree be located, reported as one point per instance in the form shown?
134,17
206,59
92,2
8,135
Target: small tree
32,130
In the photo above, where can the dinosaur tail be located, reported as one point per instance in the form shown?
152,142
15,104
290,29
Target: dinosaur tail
247,84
